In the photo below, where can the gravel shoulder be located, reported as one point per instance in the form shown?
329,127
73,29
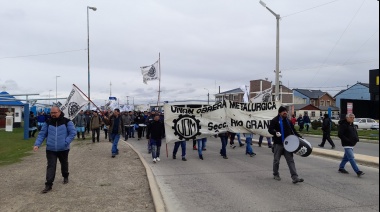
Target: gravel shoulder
97,182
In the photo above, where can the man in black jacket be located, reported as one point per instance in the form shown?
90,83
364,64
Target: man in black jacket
326,128
349,137
281,127
155,133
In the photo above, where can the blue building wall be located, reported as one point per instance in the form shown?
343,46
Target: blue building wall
300,95
357,91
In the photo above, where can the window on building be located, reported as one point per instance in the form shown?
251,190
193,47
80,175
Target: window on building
312,102
328,103
313,114
322,103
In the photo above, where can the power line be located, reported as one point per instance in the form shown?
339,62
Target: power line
309,9
34,55
336,43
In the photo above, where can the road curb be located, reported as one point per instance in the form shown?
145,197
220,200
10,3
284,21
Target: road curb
154,189
359,158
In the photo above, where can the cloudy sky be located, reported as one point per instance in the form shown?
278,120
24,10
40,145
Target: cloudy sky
204,44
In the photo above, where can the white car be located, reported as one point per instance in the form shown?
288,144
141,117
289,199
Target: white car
365,123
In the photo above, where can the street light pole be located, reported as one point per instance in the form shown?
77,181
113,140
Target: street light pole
208,96
88,51
49,97
278,17
127,100
56,89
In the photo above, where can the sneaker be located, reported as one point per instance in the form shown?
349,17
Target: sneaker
269,146
320,145
333,147
278,178
174,157
201,157
259,145
241,145
360,173
297,180
65,180
204,149
225,157
158,159
154,160
46,189
234,147
195,148
113,155
343,171
184,159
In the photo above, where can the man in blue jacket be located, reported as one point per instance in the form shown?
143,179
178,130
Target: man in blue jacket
59,133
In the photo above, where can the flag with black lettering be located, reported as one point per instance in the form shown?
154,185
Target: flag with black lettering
74,103
151,72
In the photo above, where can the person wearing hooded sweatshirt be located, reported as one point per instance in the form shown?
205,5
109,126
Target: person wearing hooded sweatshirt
326,128
281,127
349,137
80,124
59,133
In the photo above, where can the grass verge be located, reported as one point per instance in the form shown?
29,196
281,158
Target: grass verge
13,147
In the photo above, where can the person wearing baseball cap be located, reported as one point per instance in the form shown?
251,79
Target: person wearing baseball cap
281,127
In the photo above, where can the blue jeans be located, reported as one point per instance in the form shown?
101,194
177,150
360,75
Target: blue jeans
224,141
248,147
201,145
183,147
238,137
115,140
156,147
349,157
131,132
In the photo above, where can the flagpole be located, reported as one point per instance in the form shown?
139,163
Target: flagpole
159,79
88,98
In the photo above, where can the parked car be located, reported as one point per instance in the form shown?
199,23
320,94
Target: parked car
333,119
366,123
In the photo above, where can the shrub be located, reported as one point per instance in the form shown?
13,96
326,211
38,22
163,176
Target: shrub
316,124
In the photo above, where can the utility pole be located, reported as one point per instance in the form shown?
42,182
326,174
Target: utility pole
127,100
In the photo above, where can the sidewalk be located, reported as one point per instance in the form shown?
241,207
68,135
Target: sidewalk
97,182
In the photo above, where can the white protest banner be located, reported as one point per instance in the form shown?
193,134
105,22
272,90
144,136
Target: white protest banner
74,103
193,123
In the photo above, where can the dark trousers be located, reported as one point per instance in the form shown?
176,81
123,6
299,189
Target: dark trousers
51,157
106,133
223,151
127,132
278,151
97,131
232,138
139,132
326,136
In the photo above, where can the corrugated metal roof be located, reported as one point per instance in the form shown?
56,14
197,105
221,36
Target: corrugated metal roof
313,94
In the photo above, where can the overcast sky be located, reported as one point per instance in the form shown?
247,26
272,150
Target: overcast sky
204,44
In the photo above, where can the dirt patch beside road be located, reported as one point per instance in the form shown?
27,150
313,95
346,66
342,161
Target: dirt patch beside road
97,182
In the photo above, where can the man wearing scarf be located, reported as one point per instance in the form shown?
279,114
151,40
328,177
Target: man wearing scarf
281,127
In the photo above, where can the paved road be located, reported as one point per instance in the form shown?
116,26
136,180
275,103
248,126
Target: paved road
242,183
370,149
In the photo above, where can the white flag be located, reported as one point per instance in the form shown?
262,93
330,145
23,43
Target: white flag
150,72
246,93
73,104
263,96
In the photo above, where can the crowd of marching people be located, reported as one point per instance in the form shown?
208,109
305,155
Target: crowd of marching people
60,131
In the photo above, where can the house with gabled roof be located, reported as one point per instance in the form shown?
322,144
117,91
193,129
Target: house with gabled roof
314,97
235,95
359,91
